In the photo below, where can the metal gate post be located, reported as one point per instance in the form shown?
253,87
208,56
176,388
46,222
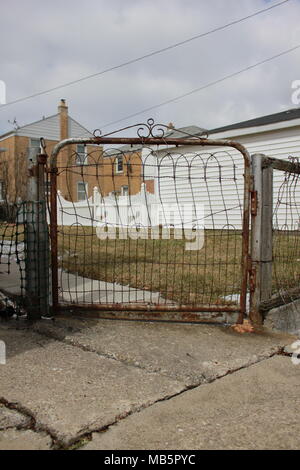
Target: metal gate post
37,243
261,236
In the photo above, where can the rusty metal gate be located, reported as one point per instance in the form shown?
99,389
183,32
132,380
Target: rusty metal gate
153,226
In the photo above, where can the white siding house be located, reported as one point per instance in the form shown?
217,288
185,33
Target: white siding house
213,177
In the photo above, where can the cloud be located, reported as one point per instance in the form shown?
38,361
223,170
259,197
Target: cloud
45,44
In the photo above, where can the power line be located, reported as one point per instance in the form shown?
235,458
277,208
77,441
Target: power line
196,90
145,56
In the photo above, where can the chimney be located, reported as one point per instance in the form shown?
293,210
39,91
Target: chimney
63,119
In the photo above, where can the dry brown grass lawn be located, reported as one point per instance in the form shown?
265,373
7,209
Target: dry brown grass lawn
188,277
199,277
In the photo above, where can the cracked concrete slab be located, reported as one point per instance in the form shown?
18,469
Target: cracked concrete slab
69,391
12,419
13,439
254,408
189,353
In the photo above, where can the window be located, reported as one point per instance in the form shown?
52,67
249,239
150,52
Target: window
124,190
81,155
119,164
82,191
34,149
35,143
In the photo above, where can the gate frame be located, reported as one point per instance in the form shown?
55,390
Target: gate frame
188,313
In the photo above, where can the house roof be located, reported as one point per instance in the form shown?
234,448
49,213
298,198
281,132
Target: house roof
183,132
49,128
287,115
51,125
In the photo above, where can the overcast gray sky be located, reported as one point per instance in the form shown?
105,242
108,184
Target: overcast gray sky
44,44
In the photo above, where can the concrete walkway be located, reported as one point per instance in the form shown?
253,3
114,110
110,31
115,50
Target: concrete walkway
82,290
10,276
77,383
78,289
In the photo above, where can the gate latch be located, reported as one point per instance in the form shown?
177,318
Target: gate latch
253,202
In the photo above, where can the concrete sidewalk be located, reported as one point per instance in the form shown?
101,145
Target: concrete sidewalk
88,384
255,408
78,289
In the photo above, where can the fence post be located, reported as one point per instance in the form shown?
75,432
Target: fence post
267,232
261,236
37,242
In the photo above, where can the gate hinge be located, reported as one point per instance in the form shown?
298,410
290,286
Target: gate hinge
253,202
33,171
42,158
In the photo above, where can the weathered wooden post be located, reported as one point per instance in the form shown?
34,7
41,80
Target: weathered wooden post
267,232
37,241
261,236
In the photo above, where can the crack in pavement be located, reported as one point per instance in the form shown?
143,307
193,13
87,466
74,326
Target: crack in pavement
85,434
202,378
88,434
33,426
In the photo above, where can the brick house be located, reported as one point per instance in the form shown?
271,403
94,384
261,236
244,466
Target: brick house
20,146
123,171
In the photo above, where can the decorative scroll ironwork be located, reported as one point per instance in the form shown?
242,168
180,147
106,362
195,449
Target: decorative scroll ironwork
150,129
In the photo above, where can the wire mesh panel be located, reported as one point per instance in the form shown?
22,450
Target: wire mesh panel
12,249
286,231
150,225
24,248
